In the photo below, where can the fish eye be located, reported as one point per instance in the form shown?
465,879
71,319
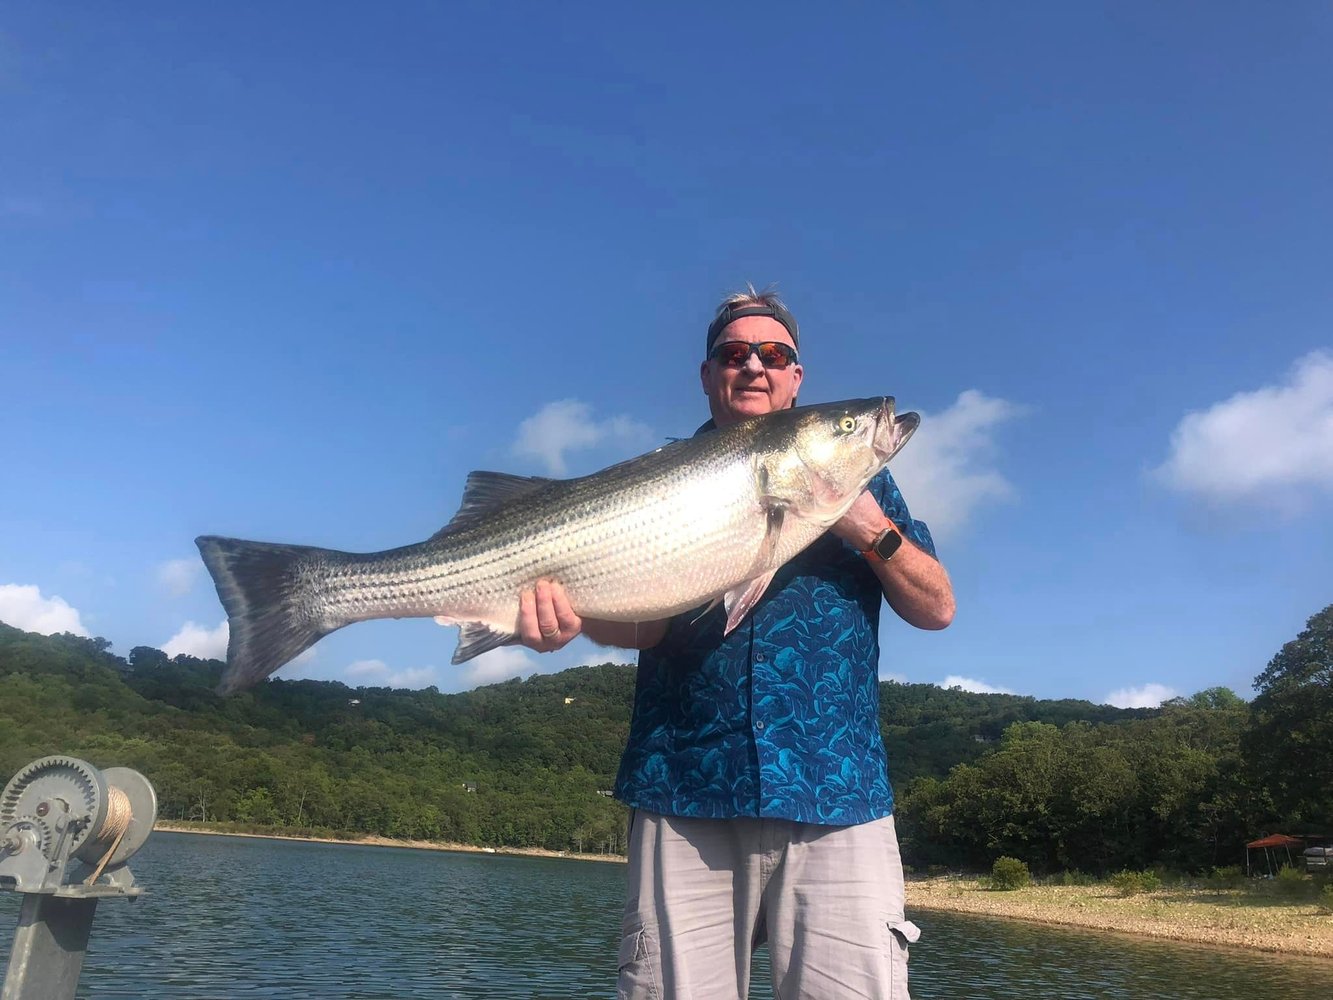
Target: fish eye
847,424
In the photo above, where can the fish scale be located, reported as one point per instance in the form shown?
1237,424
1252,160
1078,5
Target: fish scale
711,517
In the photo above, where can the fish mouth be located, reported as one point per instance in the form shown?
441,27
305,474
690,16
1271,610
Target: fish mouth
892,430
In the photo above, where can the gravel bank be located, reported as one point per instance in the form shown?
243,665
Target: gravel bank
1222,917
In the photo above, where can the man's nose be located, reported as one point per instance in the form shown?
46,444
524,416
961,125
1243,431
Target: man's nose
753,365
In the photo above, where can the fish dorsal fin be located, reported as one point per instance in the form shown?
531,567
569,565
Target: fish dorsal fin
484,491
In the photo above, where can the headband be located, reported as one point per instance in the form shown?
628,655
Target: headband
730,313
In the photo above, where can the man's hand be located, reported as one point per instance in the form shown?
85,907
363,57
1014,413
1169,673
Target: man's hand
862,523
546,622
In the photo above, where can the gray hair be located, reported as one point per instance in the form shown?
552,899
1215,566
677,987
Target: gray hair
752,303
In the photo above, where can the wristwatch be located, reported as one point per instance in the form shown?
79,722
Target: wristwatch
885,546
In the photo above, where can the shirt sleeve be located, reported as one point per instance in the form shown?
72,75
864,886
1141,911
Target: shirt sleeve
890,498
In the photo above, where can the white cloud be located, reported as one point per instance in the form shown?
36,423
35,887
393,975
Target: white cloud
609,654
367,668
970,684
177,576
199,641
414,677
1148,696
377,673
23,606
1272,445
946,470
499,665
569,425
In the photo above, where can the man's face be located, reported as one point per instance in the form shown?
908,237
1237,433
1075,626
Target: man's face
737,393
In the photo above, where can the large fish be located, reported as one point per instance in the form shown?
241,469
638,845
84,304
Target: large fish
712,517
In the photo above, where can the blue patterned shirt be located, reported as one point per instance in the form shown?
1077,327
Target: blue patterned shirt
779,719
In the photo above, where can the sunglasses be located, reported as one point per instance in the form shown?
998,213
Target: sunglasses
736,354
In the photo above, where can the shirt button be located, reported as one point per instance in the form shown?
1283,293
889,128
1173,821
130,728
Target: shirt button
759,657
759,724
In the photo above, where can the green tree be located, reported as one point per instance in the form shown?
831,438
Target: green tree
1290,742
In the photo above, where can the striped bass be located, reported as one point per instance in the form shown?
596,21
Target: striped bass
708,518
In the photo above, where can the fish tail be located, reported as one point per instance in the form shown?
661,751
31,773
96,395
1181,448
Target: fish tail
268,604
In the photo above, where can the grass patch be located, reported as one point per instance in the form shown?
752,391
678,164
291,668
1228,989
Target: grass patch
1129,883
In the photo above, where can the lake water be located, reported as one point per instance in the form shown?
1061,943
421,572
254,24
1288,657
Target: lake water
230,917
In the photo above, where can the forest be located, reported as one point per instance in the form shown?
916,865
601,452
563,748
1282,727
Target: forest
1063,785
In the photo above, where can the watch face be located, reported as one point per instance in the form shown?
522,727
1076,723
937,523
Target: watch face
887,544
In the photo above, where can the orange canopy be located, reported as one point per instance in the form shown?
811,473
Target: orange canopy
1277,840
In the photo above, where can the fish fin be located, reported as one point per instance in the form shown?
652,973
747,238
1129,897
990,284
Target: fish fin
262,589
768,548
485,491
707,608
740,600
475,638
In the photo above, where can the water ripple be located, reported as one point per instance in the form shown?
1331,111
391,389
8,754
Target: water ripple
228,917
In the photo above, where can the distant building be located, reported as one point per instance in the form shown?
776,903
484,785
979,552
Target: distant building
569,701
469,786
354,701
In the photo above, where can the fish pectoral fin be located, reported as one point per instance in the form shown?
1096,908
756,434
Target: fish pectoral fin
768,548
740,600
707,608
475,638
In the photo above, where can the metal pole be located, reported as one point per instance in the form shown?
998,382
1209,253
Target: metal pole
49,947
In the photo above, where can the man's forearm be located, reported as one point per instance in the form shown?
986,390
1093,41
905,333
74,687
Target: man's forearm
917,587
914,583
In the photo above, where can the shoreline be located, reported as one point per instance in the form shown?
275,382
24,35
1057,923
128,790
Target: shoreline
1219,919
372,840
1211,918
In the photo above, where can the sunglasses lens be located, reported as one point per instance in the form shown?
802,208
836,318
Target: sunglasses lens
736,353
733,354
774,355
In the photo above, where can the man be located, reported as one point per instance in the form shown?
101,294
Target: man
755,771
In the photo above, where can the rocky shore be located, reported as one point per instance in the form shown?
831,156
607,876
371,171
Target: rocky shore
1233,917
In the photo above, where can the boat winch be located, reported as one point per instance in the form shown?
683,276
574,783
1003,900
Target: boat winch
66,831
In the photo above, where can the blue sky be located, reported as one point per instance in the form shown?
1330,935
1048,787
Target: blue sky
289,271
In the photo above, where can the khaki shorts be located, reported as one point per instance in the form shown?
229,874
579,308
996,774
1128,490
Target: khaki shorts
704,893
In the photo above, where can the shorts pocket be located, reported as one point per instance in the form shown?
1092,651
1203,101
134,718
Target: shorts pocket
901,933
639,972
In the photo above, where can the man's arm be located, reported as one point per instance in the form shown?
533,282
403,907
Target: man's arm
546,622
915,584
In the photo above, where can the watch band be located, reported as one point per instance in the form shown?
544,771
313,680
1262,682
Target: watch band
885,546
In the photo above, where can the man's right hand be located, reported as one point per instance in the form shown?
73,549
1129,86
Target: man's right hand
547,621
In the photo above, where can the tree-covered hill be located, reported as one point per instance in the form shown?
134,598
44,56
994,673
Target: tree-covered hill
527,762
